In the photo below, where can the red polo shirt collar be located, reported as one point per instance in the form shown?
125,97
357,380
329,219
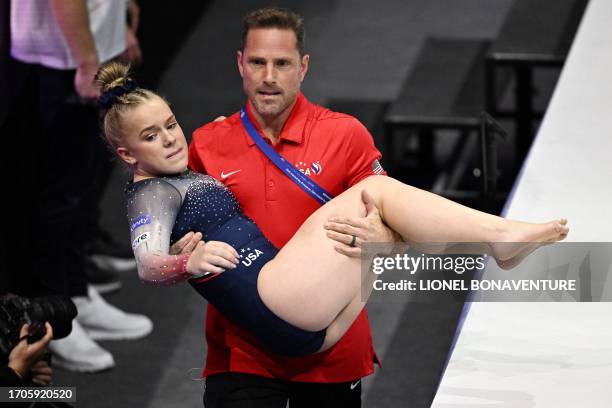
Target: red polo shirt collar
294,128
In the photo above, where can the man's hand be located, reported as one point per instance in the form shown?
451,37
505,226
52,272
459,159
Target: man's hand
132,54
370,228
84,82
133,15
212,256
186,244
73,21
24,355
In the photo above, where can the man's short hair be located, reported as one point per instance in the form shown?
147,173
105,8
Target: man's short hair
275,17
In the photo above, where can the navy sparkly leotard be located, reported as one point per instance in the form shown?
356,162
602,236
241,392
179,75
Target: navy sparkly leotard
162,210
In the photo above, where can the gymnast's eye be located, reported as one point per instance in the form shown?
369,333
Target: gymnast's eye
172,125
151,137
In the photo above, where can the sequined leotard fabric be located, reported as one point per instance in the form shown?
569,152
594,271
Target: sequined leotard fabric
162,210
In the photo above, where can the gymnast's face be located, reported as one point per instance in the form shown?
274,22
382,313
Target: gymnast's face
272,70
153,143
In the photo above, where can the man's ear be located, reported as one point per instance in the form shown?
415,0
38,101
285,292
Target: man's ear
239,62
126,156
304,64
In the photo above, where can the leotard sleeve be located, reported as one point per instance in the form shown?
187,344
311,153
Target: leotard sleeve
153,206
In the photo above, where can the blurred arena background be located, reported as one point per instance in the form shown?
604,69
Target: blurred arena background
377,61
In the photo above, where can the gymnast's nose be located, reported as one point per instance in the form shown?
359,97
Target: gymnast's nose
169,138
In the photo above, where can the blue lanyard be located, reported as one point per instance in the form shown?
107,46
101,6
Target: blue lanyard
299,178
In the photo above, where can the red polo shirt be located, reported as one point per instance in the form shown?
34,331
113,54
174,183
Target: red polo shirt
336,151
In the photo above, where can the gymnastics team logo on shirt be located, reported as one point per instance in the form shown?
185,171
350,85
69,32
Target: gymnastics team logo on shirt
144,237
314,168
248,256
140,221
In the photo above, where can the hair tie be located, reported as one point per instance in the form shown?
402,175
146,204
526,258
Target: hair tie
108,98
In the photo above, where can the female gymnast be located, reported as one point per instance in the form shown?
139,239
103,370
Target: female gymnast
300,299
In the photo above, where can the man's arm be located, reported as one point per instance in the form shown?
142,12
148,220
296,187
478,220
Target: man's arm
73,20
363,158
362,161
132,53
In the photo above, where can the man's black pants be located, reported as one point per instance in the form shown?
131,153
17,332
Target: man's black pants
237,390
54,188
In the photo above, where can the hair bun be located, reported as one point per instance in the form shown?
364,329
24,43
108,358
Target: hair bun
112,75
108,98
114,82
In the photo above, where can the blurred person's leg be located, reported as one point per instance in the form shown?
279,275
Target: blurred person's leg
67,165
97,241
44,199
62,162
5,282
20,128
107,254
64,181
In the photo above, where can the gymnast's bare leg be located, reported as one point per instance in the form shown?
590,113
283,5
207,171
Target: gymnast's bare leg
310,285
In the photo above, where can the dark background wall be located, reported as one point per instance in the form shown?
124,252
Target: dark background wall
361,53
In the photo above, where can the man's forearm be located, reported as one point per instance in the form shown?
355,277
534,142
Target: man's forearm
73,19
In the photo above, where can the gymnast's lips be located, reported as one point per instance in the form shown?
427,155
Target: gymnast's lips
174,153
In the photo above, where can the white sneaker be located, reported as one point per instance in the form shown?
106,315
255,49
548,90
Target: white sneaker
78,352
114,264
103,321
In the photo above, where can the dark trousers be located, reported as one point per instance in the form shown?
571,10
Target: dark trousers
55,187
237,390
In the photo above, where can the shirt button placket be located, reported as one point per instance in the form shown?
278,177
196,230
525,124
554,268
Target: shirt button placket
270,182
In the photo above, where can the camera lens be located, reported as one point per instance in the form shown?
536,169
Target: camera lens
57,310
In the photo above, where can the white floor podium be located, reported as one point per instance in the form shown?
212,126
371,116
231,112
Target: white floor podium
552,354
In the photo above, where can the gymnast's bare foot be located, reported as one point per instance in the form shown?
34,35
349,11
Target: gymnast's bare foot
524,238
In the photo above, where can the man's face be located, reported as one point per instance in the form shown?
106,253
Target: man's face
271,69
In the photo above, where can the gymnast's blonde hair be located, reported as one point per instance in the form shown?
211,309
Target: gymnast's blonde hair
109,78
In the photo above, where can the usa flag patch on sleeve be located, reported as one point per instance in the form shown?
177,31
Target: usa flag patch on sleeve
376,167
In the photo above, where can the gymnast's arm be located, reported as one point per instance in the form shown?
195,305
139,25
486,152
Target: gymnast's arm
153,206
152,210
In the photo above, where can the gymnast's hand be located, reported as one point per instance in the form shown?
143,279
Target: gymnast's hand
186,244
370,228
212,256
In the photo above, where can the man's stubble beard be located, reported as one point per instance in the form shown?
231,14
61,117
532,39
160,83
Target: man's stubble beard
273,110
